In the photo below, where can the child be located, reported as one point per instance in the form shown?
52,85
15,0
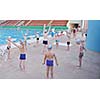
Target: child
22,49
57,40
9,46
48,57
74,32
37,38
81,52
68,41
45,41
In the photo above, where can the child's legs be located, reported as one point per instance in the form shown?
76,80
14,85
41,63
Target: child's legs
37,42
74,34
47,73
56,44
51,72
23,62
8,53
20,64
44,48
68,47
80,61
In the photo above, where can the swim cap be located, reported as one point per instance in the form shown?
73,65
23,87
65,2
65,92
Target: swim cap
78,41
50,47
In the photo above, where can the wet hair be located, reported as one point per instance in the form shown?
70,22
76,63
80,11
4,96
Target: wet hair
21,42
45,32
82,41
61,31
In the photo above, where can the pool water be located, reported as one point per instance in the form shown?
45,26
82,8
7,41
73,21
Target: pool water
16,34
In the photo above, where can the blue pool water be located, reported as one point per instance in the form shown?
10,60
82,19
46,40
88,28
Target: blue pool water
16,34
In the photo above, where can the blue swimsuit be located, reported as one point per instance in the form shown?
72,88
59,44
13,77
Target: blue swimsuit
49,63
22,56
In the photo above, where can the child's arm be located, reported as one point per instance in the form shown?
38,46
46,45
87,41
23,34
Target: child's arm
44,59
49,29
14,44
56,59
85,49
44,28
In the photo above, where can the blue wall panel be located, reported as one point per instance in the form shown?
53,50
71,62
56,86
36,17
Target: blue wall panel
93,35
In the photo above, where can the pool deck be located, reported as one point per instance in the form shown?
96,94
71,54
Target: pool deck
67,69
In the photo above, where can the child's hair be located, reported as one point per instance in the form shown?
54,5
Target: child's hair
21,42
82,41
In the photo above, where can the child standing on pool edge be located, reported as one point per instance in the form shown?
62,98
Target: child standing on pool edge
81,52
9,46
57,40
68,40
22,49
37,38
48,58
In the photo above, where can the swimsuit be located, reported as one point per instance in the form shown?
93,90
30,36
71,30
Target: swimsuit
57,41
8,47
86,35
22,56
45,42
49,63
37,38
68,43
81,54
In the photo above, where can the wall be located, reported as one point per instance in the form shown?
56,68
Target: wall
93,35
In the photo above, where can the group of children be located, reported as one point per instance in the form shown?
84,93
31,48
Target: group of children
49,55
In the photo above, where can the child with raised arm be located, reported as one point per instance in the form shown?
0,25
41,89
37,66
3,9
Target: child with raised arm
49,60
57,40
45,38
22,49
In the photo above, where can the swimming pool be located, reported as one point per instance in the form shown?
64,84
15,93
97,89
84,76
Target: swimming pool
16,34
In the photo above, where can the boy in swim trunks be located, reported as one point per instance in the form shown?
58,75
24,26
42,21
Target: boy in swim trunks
9,47
48,59
22,49
81,53
57,40
45,41
68,41
37,38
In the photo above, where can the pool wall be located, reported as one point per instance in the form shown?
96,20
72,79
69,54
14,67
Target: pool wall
93,35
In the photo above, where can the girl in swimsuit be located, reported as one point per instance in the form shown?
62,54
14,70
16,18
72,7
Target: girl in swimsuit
81,53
